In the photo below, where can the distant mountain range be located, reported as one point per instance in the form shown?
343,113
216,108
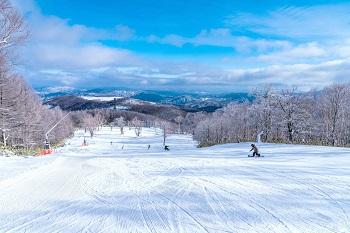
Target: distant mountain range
51,92
190,102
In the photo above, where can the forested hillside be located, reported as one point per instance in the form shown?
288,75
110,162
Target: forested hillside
286,116
24,120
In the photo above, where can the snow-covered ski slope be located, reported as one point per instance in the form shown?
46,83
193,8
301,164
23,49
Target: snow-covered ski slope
102,188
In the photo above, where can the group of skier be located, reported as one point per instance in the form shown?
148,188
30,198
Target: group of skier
166,148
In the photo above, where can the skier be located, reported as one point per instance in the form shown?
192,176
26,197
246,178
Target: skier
84,142
166,148
255,150
149,146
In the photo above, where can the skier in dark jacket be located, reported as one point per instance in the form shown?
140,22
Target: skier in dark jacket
255,150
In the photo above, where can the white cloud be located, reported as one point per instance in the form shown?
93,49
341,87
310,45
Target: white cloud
55,44
305,76
124,33
321,21
302,52
77,57
221,37
60,53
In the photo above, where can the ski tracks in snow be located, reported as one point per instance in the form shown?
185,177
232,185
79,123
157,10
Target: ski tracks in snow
100,189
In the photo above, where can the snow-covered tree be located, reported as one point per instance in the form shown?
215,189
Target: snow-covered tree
90,124
167,128
179,119
12,31
263,109
290,113
137,124
120,122
288,116
333,107
23,118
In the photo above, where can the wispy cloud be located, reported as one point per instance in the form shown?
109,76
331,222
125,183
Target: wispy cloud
312,22
307,52
297,52
221,37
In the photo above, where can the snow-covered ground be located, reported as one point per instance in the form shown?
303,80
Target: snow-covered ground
104,188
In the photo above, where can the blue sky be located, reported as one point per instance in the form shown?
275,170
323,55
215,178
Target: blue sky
188,45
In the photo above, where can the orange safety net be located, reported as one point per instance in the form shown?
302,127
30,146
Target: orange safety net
45,152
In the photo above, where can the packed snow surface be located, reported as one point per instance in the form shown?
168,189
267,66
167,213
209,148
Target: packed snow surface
104,188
